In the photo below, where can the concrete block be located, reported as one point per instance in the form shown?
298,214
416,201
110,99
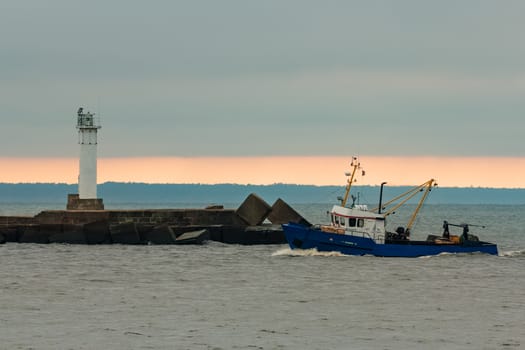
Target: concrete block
10,221
10,234
32,234
193,237
50,229
251,235
71,216
215,232
143,229
75,203
125,233
231,235
180,229
97,232
212,217
266,234
51,216
282,213
162,234
72,201
70,233
253,210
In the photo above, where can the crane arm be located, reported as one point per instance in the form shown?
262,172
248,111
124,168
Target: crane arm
428,186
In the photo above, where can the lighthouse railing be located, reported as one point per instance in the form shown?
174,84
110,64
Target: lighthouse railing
88,121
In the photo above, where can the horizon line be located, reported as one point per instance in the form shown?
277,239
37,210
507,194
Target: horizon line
250,184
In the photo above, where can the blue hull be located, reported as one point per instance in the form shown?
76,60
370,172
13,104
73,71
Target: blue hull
302,237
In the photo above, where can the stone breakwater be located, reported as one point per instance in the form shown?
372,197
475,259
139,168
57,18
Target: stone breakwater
254,222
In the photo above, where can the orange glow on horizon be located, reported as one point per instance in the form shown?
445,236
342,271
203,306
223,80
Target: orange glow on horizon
494,172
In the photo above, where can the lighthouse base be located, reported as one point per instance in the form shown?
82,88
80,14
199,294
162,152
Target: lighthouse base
76,203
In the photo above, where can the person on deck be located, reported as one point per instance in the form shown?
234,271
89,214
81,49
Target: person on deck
464,236
446,232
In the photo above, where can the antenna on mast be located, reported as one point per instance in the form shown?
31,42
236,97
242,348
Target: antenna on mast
356,165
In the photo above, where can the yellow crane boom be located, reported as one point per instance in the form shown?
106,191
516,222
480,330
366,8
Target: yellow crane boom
406,196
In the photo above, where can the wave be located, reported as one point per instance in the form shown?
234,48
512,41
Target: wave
440,255
513,253
315,252
304,252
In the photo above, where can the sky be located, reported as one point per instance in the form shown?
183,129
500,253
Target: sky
285,84
319,170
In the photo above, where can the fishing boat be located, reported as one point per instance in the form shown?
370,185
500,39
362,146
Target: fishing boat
356,230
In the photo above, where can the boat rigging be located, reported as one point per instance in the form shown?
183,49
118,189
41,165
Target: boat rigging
404,197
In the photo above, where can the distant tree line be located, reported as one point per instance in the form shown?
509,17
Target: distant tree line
114,192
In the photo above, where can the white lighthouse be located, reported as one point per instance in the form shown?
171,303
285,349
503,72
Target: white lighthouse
87,125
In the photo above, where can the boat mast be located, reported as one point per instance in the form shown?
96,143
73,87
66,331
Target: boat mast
356,165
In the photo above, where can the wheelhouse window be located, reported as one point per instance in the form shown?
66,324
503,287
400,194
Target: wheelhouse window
342,221
360,223
351,222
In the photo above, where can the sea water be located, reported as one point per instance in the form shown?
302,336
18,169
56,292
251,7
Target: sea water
219,296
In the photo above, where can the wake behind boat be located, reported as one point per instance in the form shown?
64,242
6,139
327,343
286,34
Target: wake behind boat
356,230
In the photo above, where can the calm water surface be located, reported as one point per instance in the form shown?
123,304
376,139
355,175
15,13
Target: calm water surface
267,297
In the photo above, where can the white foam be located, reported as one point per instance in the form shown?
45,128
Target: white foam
512,253
304,252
